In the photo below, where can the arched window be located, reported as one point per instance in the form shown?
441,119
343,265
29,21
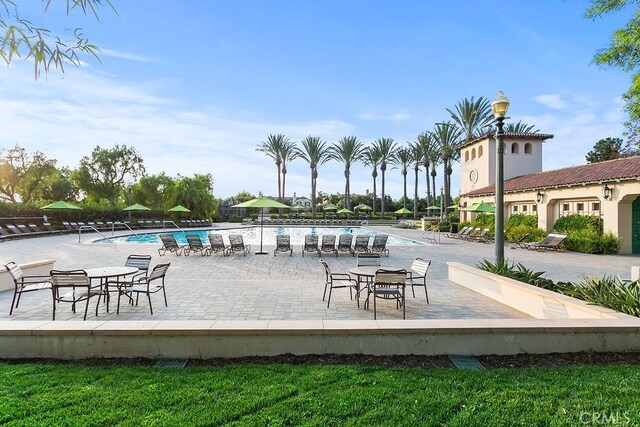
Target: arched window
480,151
473,153
466,156
527,148
515,148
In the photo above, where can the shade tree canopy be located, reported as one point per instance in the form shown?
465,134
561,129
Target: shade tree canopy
22,174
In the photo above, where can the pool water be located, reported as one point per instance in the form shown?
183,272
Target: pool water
251,235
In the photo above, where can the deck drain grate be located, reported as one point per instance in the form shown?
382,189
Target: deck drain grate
171,363
465,362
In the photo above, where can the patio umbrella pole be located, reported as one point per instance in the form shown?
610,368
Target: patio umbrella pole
261,252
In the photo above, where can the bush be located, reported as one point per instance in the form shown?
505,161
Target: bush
608,291
518,272
516,220
590,242
535,234
483,220
577,222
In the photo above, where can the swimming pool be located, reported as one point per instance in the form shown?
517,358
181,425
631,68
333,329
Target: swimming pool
251,235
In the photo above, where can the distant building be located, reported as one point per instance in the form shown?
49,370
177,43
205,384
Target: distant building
224,210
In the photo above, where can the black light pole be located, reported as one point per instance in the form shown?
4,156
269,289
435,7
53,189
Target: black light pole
499,106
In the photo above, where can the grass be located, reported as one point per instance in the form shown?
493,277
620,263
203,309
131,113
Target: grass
280,395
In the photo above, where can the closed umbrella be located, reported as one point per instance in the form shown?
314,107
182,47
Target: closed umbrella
261,202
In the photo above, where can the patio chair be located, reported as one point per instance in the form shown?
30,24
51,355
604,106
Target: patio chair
379,244
550,243
217,244
310,244
344,243
479,237
473,232
417,275
195,245
336,281
149,285
519,242
4,233
24,284
368,260
78,287
283,244
462,232
361,245
169,244
237,244
13,229
388,285
328,244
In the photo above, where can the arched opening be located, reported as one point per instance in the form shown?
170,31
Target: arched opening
473,153
528,148
466,156
515,148
480,151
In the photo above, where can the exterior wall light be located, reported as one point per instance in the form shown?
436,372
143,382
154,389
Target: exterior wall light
539,197
606,192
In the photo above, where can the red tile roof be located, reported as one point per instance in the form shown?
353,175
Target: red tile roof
611,170
511,135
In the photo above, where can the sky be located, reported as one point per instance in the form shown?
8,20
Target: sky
195,86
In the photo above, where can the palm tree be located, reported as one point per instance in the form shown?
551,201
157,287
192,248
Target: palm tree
272,148
520,128
315,151
417,156
472,116
402,157
386,147
371,157
429,155
447,136
287,154
348,151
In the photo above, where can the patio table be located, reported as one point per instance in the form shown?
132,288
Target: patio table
367,272
106,273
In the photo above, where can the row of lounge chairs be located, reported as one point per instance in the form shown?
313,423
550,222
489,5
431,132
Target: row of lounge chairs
328,244
308,221
195,245
186,223
472,234
551,243
10,231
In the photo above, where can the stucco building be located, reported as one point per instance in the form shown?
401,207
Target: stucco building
608,189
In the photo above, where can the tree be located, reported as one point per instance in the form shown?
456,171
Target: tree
195,194
20,38
386,147
402,157
417,157
272,147
103,175
429,157
348,151
315,152
608,149
21,174
59,186
371,158
243,196
287,154
520,127
447,136
153,191
472,116
624,53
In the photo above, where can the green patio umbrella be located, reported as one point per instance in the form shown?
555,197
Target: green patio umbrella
329,207
261,202
61,205
136,207
479,207
453,207
433,207
344,211
178,208
363,207
403,211
297,207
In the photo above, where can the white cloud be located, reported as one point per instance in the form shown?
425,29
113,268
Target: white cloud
125,55
398,116
553,101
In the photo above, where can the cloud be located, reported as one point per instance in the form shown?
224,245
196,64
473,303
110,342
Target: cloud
553,101
398,116
125,55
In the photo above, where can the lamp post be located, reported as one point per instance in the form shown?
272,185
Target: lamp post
499,106
441,202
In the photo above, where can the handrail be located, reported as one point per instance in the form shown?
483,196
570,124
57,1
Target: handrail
431,234
113,226
90,227
171,222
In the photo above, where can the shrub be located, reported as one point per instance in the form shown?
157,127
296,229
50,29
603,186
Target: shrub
607,291
519,272
483,220
516,220
535,234
590,242
577,222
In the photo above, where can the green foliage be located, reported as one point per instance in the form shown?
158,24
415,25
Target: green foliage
483,220
22,174
519,272
244,196
196,194
153,191
530,221
533,234
607,291
608,149
576,222
591,242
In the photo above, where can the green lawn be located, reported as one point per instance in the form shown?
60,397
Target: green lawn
32,394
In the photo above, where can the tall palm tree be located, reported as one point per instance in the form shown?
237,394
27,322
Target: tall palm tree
348,151
386,147
272,148
520,127
315,152
402,158
472,116
371,157
447,136
288,153
428,155
417,157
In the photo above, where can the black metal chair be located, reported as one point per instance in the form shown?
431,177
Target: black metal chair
283,244
379,244
368,260
24,284
361,245
310,244
344,243
337,280
170,244
195,245
217,244
237,244
388,285
328,244
78,288
417,275
149,285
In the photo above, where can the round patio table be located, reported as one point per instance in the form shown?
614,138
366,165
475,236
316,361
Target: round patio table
367,272
106,273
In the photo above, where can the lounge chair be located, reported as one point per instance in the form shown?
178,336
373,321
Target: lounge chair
344,243
24,284
379,244
5,234
310,244
217,244
417,275
472,232
283,244
550,243
237,244
457,235
479,237
328,244
14,229
337,280
361,245
518,243
195,245
169,244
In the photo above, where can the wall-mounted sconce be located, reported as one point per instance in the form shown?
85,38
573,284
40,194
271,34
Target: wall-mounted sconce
539,197
606,192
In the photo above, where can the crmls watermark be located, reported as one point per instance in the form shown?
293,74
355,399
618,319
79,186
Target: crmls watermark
615,418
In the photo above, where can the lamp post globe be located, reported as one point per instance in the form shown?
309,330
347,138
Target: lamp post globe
499,106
